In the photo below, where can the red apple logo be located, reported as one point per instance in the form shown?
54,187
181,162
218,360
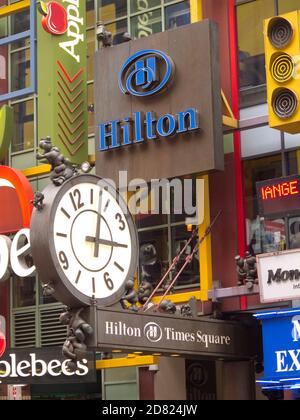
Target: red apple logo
2,344
55,19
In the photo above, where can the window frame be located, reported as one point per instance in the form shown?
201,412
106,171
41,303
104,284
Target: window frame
31,34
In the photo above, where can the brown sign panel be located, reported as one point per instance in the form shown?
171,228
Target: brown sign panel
165,334
194,85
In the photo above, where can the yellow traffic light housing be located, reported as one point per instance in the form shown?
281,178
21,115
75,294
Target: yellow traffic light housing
282,50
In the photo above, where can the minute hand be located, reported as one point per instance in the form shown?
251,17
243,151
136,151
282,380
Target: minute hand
105,242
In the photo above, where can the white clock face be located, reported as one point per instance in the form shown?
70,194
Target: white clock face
92,240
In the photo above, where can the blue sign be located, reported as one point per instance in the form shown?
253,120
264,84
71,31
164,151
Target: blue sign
146,73
281,341
141,127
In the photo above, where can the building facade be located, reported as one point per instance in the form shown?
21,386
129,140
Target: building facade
254,153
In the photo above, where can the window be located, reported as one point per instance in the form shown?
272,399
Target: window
142,18
120,384
263,235
250,16
24,293
23,126
161,238
19,29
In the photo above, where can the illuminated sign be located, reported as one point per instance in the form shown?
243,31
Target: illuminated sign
281,336
279,196
279,276
16,194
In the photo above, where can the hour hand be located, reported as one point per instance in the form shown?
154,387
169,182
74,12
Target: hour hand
105,242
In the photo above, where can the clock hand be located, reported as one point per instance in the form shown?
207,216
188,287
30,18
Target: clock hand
105,242
96,249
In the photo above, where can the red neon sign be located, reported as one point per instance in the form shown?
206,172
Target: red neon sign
284,189
15,197
279,197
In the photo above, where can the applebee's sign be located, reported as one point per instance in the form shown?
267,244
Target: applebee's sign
58,20
44,366
62,60
13,256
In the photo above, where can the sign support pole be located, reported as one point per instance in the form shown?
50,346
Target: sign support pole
206,282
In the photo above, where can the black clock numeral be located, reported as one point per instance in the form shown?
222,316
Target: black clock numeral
108,281
62,235
119,267
106,205
121,221
92,196
65,213
64,260
78,277
77,205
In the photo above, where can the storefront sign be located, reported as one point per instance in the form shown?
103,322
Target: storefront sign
62,60
161,101
14,256
279,196
16,197
281,342
279,276
44,366
170,335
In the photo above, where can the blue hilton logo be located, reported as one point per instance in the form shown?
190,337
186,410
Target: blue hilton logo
144,74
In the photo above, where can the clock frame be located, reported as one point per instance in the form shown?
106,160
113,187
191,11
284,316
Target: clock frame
44,250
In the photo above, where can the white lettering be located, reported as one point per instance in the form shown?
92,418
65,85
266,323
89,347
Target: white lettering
74,17
82,365
65,368
5,245
294,356
296,331
42,370
54,364
280,357
22,366
38,368
75,30
20,249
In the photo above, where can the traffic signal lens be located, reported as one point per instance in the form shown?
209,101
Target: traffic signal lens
285,103
282,67
280,32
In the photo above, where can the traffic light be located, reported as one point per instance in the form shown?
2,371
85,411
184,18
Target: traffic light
282,50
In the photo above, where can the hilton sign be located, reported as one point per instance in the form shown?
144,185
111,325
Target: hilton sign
168,335
161,101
